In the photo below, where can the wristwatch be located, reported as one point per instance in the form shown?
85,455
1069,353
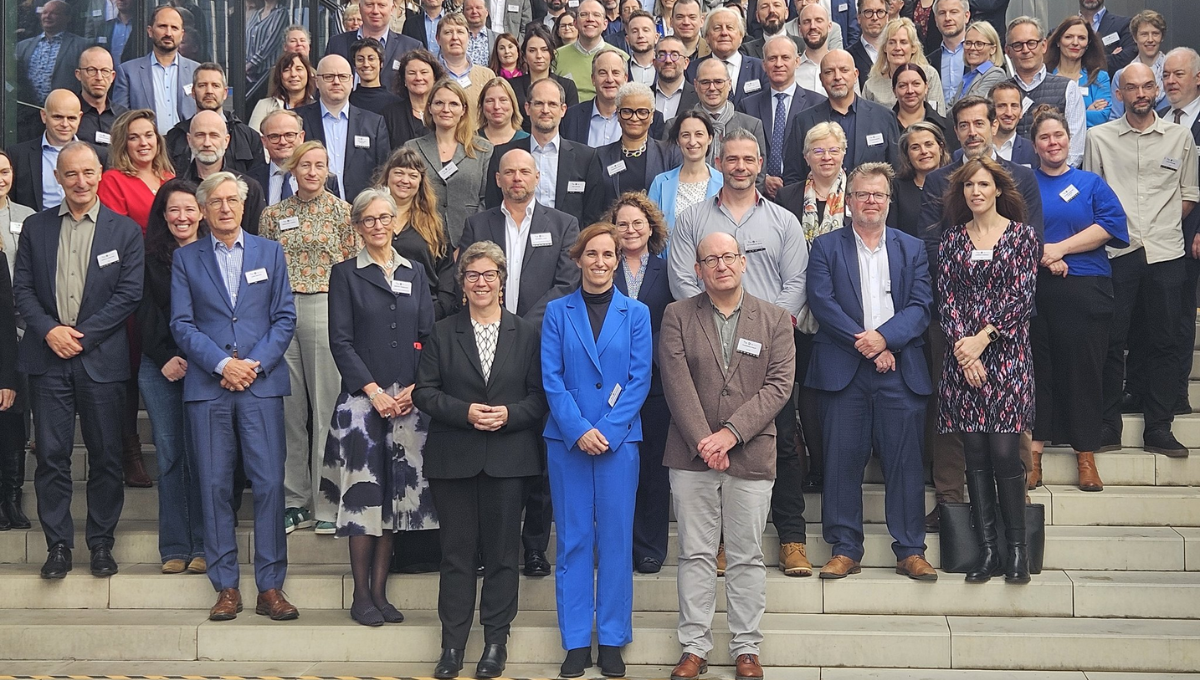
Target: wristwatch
378,391
992,333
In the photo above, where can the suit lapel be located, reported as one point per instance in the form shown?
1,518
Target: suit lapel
36,166
374,276
208,257
504,343
654,266
100,244
614,320
851,256
704,316
749,315
577,313
896,269
51,231
566,169
466,339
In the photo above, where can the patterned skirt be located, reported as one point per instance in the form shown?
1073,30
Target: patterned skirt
372,469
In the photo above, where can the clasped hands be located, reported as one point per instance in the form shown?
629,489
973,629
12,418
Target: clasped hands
1052,259
238,374
714,448
389,406
872,345
967,352
64,341
487,418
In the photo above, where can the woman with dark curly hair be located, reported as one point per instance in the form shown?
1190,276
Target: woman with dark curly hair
405,119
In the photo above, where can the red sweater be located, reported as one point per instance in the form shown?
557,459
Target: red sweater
127,195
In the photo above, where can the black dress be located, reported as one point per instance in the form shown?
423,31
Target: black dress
439,271
373,99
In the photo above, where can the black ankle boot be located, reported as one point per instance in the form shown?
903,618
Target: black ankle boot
12,470
610,661
449,665
1011,493
982,489
578,660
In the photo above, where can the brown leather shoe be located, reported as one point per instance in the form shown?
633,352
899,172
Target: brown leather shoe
748,667
689,667
1089,476
273,604
131,463
174,567
229,603
793,560
198,565
916,568
1033,478
721,559
840,566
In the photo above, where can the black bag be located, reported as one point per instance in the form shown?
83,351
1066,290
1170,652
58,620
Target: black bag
960,543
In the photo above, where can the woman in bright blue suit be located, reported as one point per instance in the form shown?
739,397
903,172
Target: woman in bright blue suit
596,365
1075,51
680,188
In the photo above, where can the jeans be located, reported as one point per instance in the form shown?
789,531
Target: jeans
180,522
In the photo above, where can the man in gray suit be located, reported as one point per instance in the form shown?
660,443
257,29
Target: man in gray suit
161,80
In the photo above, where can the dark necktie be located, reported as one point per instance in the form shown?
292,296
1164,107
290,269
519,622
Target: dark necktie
778,130
286,190
1178,116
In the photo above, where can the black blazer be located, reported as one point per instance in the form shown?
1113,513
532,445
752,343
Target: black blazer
1114,23
376,335
761,105
154,313
995,12
578,120
110,296
521,84
400,123
256,197
360,163
244,153
751,70
577,169
414,28
8,329
862,62
63,75
397,46
547,272
27,173
905,212
870,119
1191,223
791,198
655,294
660,157
450,379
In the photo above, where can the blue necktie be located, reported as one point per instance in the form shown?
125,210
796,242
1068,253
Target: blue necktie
778,129
286,191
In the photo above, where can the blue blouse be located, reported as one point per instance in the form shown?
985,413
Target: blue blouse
1074,201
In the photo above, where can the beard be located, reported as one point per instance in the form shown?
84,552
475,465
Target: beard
208,157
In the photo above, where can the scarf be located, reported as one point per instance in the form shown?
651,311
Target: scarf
720,120
835,208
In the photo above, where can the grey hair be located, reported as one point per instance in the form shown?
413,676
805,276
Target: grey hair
477,251
368,196
217,179
210,66
1023,20
740,135
1191,54
785,38
741,23
961,3
75,145
298,27
633,89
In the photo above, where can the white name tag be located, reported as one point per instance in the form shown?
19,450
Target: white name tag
14,227
103,137
289,223
612,397
464,81
101,40
514,8
751,86
1170,163
754,245
981,255
613,169
256,275
843,7
402,287
875,139
541,239
105,259
362,142
576,187
572,3
187,89
1110,39
1069,193
887,286
1026,102
448,170
395,64
749,347
97,12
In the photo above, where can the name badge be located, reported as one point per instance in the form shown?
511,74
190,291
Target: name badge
751,86
101,40
572,3
464,81
105,259
612,397
1110,39
1026,103
1067,194
448,170
256,275
749,347
1170,163
754,246
613,169
14,227
97,12
289,223
514,8
362,142
402,287
395,64
875,139
187,89
843,7
887,286
541,239
576,187
103,137
981,255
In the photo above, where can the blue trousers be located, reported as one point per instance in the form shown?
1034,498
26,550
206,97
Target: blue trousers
875,411
593,498
218,427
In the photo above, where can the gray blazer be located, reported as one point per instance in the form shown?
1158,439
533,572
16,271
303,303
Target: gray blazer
517,15
461,194
134,88
981,85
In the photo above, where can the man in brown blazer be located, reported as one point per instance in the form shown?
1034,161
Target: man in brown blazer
721,447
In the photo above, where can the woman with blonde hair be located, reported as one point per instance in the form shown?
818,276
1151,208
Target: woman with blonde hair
983,55
497,115
901,46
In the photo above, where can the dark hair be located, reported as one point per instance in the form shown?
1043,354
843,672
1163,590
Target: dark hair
592,231
537,31
1044,113
160,244
210,66
494,59
971,102
1003,86
365,43
654,217
906,169
569,12
275,80
1009,202
639,13
1093,60
421,55
909,67
696,114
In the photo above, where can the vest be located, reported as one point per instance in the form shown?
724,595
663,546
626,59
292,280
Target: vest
1052,91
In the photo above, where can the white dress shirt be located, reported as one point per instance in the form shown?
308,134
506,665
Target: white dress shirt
875,279
733,67
515,238
808,74
275,191
642,74
1190,112
668,105
546,158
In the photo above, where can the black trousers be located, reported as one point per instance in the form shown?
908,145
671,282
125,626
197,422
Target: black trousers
1187,325
539,511
479,514
810,421
787,499
652,511
1070,342
1156,291
57,396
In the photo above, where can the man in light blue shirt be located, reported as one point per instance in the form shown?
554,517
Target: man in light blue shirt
952,17
333,85
608,75
61,117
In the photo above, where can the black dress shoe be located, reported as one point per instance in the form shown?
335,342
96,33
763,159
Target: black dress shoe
491,664
449,665
610,661
536,563
649,565
933,521
103,563
813,483
58,562
1110,440
1182,407
578,660
1162,441
1131,403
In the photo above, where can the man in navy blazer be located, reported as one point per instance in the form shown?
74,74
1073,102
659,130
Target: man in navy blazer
78,277
376,17
136,86
232,316
1113,29
870,293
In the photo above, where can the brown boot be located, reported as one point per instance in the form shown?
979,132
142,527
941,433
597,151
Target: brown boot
1033,478
131,461
1089,477
721,559
793,560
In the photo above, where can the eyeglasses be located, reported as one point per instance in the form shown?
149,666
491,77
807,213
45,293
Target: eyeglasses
727,259
92,71
636,225
712,82
831,151
1027,46
330,77
629,114
370,222
870,196
668,56
490,276
976,44
276,137
873,13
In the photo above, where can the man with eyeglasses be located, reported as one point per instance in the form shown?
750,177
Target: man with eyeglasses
96,75
712,85
1026,49
672,92
723,31
208,142
872,18
722,476
356,139
1133,153
574,61
282,131
209,91
777,255
377,24
162,80
870,292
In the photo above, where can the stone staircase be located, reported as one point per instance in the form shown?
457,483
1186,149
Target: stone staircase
1119,598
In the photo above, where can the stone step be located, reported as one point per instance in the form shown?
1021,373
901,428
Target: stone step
1186,429
140,504
1125,506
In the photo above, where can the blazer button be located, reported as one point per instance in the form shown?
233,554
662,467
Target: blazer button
392,307
724,393
393,325
227,346
393,343
599,386
234,319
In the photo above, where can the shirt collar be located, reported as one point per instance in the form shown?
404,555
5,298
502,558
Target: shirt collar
853,108
50,38
862,245
1037,80
596,112
738,308
342,115
526,217
949,51
790,90
1190,109
556,143
382,41
47,145
155,62
1124,127
239,241
983,68
364,259
92,212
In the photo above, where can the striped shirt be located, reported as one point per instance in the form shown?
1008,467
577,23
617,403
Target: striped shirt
229,260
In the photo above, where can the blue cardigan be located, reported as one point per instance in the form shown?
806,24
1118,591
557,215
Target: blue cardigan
666,186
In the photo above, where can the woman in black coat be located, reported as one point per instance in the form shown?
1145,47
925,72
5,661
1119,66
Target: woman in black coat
480,379
12,422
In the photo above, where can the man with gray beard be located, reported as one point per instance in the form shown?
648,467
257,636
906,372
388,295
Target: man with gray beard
208,138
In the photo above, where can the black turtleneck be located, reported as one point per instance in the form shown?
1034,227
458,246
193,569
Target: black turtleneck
597,308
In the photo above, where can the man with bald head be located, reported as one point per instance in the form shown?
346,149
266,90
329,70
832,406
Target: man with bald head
813,27
96,75
1131,153
208,140
872,133
162,80
78,277
209,90
34,161
356,139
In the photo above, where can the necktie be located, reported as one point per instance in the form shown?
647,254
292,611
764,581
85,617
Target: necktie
1178,116
286,190
778,129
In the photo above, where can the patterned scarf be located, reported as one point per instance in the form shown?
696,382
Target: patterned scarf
720,119
835,208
